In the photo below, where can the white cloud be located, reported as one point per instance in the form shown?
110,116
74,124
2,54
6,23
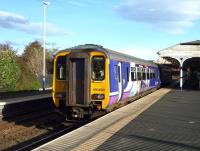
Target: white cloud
173,16
8,20
147,54
83,3
18,22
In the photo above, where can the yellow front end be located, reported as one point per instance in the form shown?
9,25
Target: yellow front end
97,87
100,87
59,84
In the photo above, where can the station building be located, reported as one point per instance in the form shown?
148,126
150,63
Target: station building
184,58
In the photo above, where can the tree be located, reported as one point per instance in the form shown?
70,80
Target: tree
9,68
33,58
33,55
27,80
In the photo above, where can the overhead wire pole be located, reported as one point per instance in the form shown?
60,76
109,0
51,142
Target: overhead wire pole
44,47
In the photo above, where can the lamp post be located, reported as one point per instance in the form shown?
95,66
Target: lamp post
44,47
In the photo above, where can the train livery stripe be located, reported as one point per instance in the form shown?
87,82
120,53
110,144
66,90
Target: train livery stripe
114,93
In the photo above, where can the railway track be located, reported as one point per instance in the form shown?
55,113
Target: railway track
34,129
39,141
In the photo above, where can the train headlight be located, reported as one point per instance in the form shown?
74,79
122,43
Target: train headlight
98,96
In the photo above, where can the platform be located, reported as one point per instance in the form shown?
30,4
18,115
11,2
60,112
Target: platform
19,105
23,99
164,120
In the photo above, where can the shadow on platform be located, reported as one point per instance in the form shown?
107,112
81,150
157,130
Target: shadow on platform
170,124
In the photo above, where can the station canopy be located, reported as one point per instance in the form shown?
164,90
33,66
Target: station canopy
181,52
185,56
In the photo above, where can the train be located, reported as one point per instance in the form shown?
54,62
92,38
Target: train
89,78
165,74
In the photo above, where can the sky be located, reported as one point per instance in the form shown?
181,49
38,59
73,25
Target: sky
136,27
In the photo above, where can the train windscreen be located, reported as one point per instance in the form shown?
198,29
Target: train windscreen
61,68
98,68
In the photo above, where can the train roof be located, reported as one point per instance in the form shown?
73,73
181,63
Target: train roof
109,53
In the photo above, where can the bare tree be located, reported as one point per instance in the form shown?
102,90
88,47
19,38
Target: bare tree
33,55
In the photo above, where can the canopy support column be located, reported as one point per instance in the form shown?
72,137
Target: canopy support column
181,61
181,76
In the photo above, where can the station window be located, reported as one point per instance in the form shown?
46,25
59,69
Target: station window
98,68
61,68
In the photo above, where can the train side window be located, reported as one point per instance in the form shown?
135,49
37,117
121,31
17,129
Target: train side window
133,74
119,76
116,72
127,73
151,75
98,68
139,74
61,68
147,70
154,75
143,74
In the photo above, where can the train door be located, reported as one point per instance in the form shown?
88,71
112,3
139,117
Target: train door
126,79
147,75
120,81
78,80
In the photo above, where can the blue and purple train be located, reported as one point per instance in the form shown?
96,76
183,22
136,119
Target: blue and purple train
89,78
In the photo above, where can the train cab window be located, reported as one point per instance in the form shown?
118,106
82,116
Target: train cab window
61,68
98,68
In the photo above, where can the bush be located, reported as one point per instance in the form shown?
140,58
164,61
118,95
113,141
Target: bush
9,68
24,72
